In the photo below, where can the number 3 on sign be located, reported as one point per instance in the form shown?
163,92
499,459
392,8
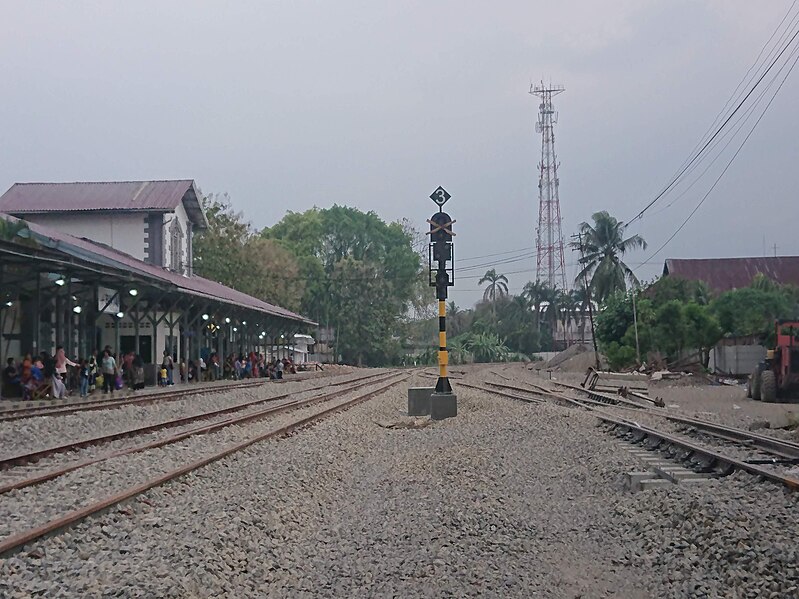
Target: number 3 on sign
440,196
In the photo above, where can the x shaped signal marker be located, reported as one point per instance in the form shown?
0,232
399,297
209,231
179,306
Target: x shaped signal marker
444,227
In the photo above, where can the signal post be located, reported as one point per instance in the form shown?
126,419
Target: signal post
443,402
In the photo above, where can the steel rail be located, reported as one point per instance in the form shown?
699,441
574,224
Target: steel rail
501,393
205,429
539,390
25,458
602,397
709,457
17,541
785,449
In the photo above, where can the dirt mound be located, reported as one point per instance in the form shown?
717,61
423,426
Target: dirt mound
567,354
576,358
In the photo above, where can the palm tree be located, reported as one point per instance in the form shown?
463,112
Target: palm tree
536,293
581,299
603,245
569,307
551,315
454,319
497,285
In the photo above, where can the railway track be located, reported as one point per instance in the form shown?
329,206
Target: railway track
9,465
132,399
703,446
123,472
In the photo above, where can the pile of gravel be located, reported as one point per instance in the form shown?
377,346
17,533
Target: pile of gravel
506,500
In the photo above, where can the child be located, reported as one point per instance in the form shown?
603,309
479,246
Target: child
163,381
85,372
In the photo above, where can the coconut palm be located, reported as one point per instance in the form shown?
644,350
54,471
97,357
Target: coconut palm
568,307
455,319
497,285
536,294
551,311
581,299
603,245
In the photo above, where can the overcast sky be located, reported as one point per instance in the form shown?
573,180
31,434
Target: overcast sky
373,104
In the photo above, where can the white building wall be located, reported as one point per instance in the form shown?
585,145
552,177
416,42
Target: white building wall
123,232
183,221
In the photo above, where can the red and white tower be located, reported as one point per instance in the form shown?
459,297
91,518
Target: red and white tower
550,265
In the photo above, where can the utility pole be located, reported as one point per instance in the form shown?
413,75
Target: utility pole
579,237
635,325
550,263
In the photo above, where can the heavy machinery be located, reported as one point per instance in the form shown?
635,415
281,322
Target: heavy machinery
777,377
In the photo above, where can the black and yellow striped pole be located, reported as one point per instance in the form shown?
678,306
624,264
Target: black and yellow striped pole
443,356
443,402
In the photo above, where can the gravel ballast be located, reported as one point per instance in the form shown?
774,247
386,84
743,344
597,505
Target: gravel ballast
506,500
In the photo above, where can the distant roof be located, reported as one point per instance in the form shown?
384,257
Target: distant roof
150,196
723,274
101,254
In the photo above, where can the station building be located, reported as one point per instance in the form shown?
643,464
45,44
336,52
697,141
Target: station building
86,265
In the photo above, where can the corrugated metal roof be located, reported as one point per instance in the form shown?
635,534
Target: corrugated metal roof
30,198
723,274
86,249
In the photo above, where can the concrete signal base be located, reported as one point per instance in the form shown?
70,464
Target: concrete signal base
443,405
419,400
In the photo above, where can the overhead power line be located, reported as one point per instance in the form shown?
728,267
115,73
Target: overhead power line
729,163
698,155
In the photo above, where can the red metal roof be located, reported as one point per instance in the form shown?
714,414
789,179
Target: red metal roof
86,249
723,274
30,198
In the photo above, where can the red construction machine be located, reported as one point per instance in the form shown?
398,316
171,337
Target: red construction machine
777,377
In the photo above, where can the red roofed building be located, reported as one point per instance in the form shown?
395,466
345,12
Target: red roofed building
149,220
724,274
109,263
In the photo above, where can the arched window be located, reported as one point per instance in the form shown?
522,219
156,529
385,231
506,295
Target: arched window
176,246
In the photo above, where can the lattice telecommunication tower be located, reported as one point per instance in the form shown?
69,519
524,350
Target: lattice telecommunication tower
550,265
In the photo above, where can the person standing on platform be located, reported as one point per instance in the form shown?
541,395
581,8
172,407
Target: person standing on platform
169,364
109,369
85,373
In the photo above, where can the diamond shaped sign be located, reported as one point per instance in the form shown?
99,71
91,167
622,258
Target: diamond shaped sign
440,196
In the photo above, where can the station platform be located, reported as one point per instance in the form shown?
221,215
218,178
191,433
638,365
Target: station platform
16,403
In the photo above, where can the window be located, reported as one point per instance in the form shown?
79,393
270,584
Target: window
176,246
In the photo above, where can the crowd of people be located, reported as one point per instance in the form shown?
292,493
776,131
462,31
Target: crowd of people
237,367
56,376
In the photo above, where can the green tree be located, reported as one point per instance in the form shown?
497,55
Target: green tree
364,277
230,253
752,311
603,245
